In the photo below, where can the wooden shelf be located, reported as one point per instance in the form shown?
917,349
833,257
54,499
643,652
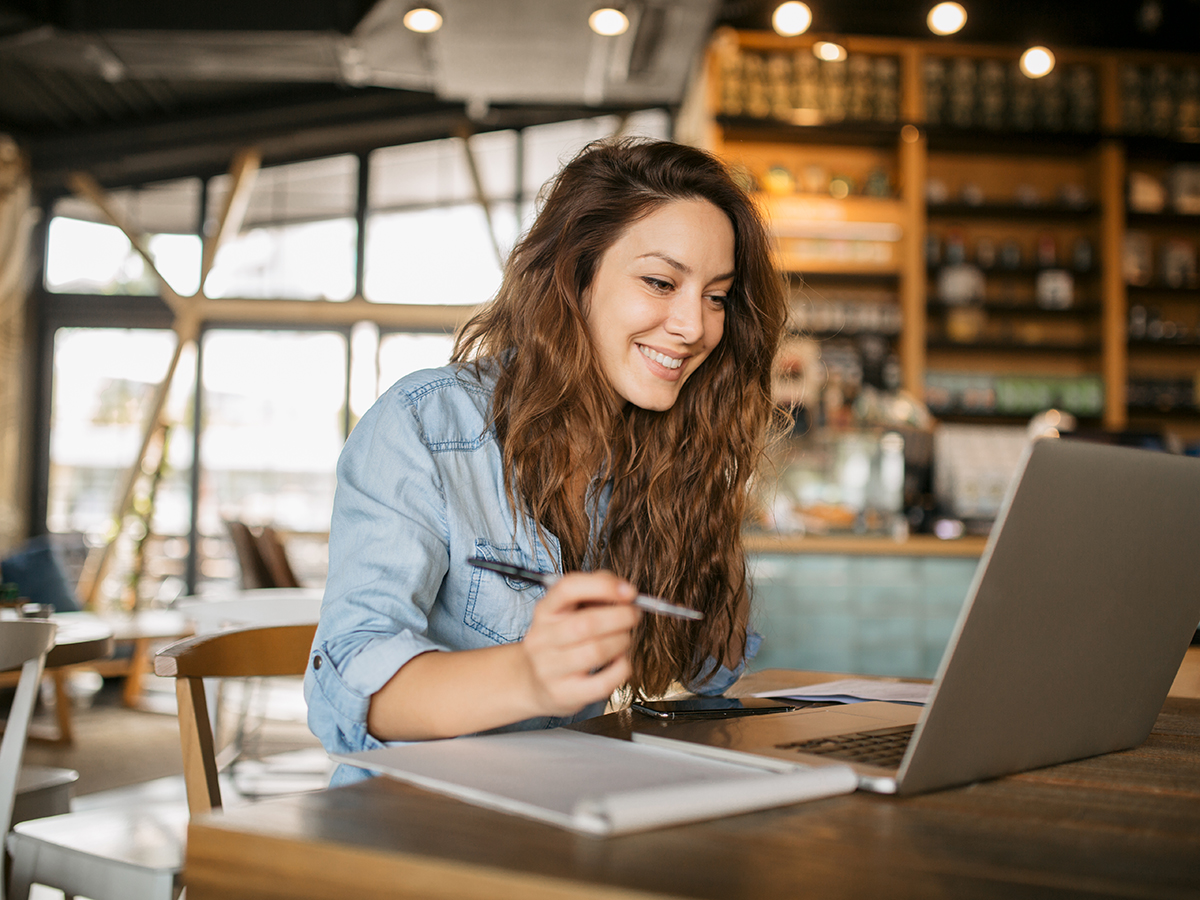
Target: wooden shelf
1181,412
1157,148
1191,344
1162,290
1043,213
864,545
1163,220
1012,347
856,134
1022,272
947,139
938,308
1088,339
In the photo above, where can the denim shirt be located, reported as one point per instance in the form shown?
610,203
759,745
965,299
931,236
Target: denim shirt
420,490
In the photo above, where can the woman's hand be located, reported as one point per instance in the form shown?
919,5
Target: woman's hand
575,653
577,647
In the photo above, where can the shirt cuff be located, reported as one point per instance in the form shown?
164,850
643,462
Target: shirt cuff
715,678
339,687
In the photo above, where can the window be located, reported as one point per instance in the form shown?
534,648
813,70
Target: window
275,402
428,241
437,172
379,361
273,414
298,237
437,255
104,380
87,255
400,354
302,261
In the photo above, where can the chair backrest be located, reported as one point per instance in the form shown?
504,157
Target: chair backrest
24,644
256,651
37,569
255,573
275,558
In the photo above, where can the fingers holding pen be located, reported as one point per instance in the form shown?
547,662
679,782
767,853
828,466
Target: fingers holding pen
578,643
581,609
610,598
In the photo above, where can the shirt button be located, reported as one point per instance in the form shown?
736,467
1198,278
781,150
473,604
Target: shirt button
316,662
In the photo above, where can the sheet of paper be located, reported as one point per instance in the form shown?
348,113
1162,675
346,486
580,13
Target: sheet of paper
855,690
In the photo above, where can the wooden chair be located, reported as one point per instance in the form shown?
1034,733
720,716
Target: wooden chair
262,557
121,855
274,556
246,699
23,644
254,652
255,573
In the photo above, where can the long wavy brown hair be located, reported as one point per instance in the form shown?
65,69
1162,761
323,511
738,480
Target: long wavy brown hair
680,476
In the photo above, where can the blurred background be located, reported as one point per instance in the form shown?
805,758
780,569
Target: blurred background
227,228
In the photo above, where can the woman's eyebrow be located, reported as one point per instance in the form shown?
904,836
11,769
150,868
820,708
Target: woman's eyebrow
681,267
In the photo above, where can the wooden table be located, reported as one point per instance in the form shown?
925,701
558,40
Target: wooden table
1122,825
89,640
81,639
143,631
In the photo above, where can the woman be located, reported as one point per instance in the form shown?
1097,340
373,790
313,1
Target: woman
602,415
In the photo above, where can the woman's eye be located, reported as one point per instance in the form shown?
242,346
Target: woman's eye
658,284
718,300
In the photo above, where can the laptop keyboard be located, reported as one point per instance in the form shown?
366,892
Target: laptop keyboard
884,747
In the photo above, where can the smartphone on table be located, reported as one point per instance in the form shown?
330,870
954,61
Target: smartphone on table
714,707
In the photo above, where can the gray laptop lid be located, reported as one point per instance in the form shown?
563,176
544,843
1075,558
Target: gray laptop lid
1080,613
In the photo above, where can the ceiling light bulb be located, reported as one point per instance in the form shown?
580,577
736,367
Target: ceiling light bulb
791,18
1037,61
829,51
947,18
423,20
608,22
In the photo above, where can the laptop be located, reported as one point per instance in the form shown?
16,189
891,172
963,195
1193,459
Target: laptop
1075,624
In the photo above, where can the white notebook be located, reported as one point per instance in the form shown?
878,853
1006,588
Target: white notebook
597,785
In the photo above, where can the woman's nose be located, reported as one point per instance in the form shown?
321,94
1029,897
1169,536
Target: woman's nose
687,318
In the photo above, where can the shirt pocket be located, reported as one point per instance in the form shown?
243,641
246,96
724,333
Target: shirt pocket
500,607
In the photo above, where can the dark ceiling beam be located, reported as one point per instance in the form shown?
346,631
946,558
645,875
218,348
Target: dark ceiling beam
203,144
37,94
149,96
108,104
255,15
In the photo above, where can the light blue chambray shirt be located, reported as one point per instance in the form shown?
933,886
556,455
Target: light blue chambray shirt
420,490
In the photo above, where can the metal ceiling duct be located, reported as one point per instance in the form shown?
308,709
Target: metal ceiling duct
488,51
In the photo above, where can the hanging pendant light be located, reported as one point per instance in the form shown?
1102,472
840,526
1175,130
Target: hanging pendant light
791,18
423,19
608,21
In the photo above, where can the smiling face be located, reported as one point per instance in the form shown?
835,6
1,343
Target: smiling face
656,306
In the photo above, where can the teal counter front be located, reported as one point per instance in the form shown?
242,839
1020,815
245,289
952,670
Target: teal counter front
866,605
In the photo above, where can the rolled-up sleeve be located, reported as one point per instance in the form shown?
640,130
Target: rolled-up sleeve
388,555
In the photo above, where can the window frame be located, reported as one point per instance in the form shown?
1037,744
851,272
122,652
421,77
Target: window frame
50,311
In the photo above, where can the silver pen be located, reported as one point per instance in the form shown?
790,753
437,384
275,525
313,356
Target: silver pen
545,579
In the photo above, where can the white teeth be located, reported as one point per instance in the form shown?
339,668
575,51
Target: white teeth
659,358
